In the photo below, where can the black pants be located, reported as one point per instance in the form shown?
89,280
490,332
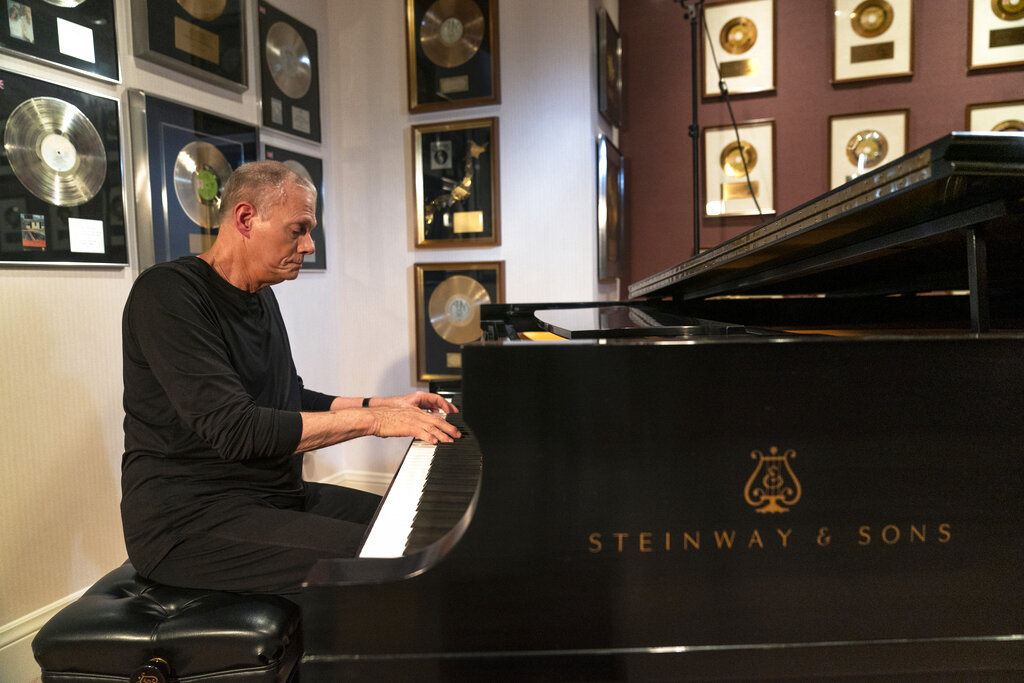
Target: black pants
262,549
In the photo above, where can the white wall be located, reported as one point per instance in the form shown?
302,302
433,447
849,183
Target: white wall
351,327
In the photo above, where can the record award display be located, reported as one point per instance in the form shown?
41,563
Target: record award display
996,34
860,143
201,38
61,200
448,299
182,158
611,211
609,69
739,47
740,169
312,169
872,39
998,117
78,35
290,74
453,53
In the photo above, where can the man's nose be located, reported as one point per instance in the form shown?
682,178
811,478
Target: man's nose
306,245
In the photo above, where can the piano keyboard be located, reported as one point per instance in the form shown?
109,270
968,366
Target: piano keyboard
428,496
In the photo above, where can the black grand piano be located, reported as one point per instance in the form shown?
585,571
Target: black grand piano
797,456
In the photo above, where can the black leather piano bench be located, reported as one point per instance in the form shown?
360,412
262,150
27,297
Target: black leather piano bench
127,629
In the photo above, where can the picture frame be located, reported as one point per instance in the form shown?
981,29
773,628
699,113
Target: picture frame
182,157
455,167
205,41
453,57
80,38
872,39
744,48
447,300
995,116
729,188
61,188
312,169
609,69
859,143
996,33
289,74
611,214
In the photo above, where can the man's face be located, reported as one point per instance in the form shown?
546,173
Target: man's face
281,239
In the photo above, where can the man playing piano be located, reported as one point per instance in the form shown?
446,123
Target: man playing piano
217,420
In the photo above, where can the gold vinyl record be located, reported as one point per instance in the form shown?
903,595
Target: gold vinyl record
871,18
288,60
869,144
738,35
451,32
200,171
55,151
299,169
454,309
1009,125
731,158
203,10
1008,10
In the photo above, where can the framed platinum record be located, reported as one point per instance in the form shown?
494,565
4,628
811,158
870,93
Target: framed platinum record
182,158
312,169
61,199
289,74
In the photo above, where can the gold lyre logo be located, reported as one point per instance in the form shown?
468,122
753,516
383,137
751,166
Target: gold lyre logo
773,487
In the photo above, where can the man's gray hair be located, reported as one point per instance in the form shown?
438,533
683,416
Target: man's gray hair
262,184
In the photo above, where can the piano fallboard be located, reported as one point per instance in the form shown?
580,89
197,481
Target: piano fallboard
733,508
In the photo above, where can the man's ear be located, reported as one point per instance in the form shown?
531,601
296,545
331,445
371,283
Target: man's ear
243,215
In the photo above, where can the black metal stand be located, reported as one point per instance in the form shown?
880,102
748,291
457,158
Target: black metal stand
694,12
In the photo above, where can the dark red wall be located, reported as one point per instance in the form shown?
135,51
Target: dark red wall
657,111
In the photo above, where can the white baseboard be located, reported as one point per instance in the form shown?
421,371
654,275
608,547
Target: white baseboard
374,482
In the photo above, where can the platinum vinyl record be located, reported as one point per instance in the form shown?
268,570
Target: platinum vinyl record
870,144
288,59
55,151
200,171
203,10
451,32
731,158
871,18
299,169
738,35
454,309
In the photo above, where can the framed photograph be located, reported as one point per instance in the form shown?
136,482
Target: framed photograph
739,169
61,196
289,74
997,34
455,168
860,143
73,35
609,69
739,47
202,39
448,298
611,215
312,169
872,39
182,158
453,54
996,116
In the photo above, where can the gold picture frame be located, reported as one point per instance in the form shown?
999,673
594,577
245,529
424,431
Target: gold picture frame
448,297
452,51
996,116
744,48
860,143
872,39
455,166
739,169
996,35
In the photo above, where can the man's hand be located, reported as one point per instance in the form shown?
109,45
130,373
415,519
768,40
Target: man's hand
413,421
417,399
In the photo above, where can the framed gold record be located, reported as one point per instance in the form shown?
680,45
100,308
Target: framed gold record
739,168
1004,117
739,47
872,39
861,143
452,49
447,298
996,34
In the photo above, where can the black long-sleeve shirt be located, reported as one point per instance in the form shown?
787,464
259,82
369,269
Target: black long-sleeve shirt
211,401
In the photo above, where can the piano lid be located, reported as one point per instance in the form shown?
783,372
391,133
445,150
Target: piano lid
896,230
623,321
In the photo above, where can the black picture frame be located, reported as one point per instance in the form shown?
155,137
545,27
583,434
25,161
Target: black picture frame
178,151
313,169
45,219
447,313
208,45
453,59
609,69
289,74
611,213
82,39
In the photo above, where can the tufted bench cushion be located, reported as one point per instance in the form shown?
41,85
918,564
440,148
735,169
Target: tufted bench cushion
129,629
